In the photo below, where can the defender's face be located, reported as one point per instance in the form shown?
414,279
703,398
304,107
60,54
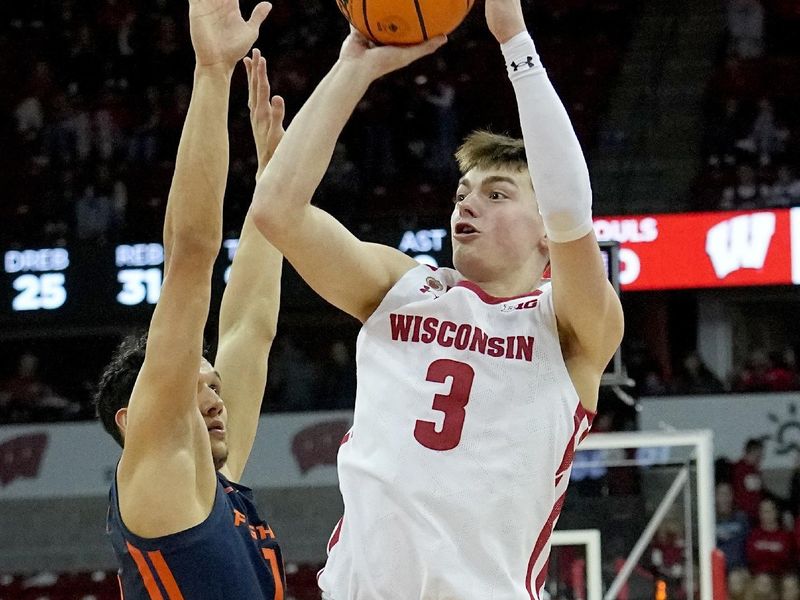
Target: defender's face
496,227
212,409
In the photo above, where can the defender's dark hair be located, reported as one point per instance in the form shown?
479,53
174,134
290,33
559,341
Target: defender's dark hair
753,444
486,150
116,383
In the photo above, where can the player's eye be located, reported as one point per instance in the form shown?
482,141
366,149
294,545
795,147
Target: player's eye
458,198
497,196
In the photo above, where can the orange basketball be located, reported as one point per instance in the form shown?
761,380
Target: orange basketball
402,22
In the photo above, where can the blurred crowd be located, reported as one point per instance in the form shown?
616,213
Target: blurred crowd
761,371
102,86
92,123
758,530
51,382
752,146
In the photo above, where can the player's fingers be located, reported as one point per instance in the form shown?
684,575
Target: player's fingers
278,112
266,77
251,96
262,92
256,81
263,80
259,13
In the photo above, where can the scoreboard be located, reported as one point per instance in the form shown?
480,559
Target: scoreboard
88,286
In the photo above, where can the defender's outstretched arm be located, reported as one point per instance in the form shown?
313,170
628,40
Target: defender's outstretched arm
249,312
166,474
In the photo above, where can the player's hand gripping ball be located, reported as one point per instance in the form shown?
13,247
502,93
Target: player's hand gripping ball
404,22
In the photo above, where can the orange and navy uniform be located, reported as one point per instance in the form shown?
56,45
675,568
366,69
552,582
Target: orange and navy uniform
232,554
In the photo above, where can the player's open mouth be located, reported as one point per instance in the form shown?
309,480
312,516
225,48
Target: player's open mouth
216,428
463,230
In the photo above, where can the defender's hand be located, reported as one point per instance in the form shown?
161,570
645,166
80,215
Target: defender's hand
504,18
220,36
380,60
266,114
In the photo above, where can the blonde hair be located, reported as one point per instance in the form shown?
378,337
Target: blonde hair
486,150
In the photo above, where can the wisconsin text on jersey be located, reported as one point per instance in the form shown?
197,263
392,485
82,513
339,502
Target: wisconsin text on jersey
461,336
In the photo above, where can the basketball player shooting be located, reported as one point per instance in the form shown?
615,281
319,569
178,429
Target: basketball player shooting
180,524
475,385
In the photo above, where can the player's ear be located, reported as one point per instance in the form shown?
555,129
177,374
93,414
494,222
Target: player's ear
544,246
121,419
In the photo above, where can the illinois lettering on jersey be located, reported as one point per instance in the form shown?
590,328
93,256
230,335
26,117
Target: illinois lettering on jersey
454,472
232,554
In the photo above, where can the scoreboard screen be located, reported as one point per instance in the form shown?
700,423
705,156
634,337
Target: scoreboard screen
117,286
88,286
79,285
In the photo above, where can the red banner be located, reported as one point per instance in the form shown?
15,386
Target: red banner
705,250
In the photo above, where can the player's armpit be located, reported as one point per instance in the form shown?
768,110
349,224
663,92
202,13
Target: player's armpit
350,274
152,503
588,310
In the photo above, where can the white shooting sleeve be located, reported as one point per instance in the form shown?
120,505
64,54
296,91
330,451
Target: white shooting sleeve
555,160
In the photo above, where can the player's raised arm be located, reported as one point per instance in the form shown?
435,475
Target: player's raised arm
249,312
588,310
350,274
166,463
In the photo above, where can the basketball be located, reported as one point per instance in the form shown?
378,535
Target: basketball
404,22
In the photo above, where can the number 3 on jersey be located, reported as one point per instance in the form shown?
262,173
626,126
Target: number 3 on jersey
452,405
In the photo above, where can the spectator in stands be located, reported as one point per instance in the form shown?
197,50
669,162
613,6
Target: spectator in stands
745,192
26,396
785,190
790,588
753,376
725,128
771,550
101,208
761,587
781,376
768,137
694,377
746,28
733,528
667,557
738,584
747,482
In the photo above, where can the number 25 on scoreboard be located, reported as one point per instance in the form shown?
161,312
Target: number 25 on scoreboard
37,292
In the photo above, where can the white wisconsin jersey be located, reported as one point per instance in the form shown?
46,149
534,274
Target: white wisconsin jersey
465,426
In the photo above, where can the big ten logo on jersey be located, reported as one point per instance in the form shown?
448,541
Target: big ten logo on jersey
39,279
523,305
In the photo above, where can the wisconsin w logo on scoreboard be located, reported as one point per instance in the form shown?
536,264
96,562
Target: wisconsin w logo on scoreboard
740,243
